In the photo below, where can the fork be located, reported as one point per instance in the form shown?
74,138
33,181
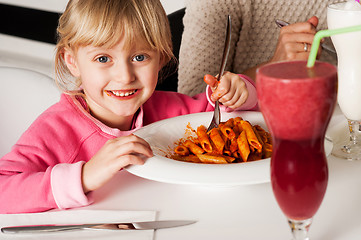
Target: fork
217,114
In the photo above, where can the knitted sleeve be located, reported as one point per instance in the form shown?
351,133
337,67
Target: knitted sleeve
203,41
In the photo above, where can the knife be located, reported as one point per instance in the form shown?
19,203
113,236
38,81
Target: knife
152,225
281,24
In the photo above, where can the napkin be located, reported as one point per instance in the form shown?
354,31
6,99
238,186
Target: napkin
79,217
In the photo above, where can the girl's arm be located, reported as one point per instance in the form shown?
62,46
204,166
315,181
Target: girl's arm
30,184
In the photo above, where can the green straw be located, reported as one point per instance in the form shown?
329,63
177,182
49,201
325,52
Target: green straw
326,33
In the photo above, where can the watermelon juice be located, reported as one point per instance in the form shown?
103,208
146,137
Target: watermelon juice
297,103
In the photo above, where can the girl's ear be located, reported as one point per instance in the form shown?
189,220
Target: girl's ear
70,61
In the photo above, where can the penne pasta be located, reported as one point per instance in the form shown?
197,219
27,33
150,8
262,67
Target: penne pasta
194,148
243,147
203,139
236,129
225,140
233,147
230,159
254,157
235,140
189,158
211,158
230,122
259,139
236,154
266,137
267,150
227,131
181,150
217,140
227,153
237,120
251,136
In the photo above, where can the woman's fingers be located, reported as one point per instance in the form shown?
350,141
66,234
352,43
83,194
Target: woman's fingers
297,38
300,27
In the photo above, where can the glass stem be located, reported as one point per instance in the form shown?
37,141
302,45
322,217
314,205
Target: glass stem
354,128
300,228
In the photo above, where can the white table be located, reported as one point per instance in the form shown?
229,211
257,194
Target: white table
242,212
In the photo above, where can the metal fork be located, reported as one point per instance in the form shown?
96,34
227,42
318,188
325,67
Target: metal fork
217,114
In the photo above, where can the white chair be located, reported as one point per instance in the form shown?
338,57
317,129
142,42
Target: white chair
24,95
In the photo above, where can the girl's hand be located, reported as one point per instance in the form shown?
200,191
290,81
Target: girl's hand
114,155
231,90
292,39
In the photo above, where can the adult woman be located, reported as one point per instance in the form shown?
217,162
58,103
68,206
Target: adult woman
256,39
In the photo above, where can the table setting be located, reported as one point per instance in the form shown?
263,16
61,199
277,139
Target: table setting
310,188
76,216
244,211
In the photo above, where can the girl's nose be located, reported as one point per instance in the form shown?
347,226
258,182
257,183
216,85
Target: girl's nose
124,74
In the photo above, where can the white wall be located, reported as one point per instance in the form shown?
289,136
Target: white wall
172,5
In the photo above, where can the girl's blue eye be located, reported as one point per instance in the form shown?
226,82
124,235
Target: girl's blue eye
103,59
139,58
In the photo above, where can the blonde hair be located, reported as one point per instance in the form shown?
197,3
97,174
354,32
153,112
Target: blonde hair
101,23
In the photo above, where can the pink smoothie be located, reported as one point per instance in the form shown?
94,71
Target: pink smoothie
297,104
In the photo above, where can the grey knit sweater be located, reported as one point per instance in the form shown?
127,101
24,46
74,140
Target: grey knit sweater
254,35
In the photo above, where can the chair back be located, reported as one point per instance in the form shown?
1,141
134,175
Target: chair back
170,83
24,95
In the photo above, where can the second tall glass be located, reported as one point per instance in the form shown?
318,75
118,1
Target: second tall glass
348,48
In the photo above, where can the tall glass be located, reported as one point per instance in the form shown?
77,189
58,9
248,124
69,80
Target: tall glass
348,48
297,103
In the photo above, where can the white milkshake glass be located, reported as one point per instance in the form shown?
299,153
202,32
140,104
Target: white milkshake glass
348,48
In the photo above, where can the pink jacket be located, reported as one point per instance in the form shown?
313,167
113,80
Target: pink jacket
43,169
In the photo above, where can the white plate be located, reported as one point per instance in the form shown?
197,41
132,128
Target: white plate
163,134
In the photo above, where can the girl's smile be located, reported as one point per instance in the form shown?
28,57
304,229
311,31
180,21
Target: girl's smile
122,94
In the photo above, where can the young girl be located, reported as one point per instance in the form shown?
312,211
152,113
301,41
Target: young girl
108,57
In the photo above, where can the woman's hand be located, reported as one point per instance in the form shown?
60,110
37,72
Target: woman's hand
292,40
114,155
231,90
291,44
